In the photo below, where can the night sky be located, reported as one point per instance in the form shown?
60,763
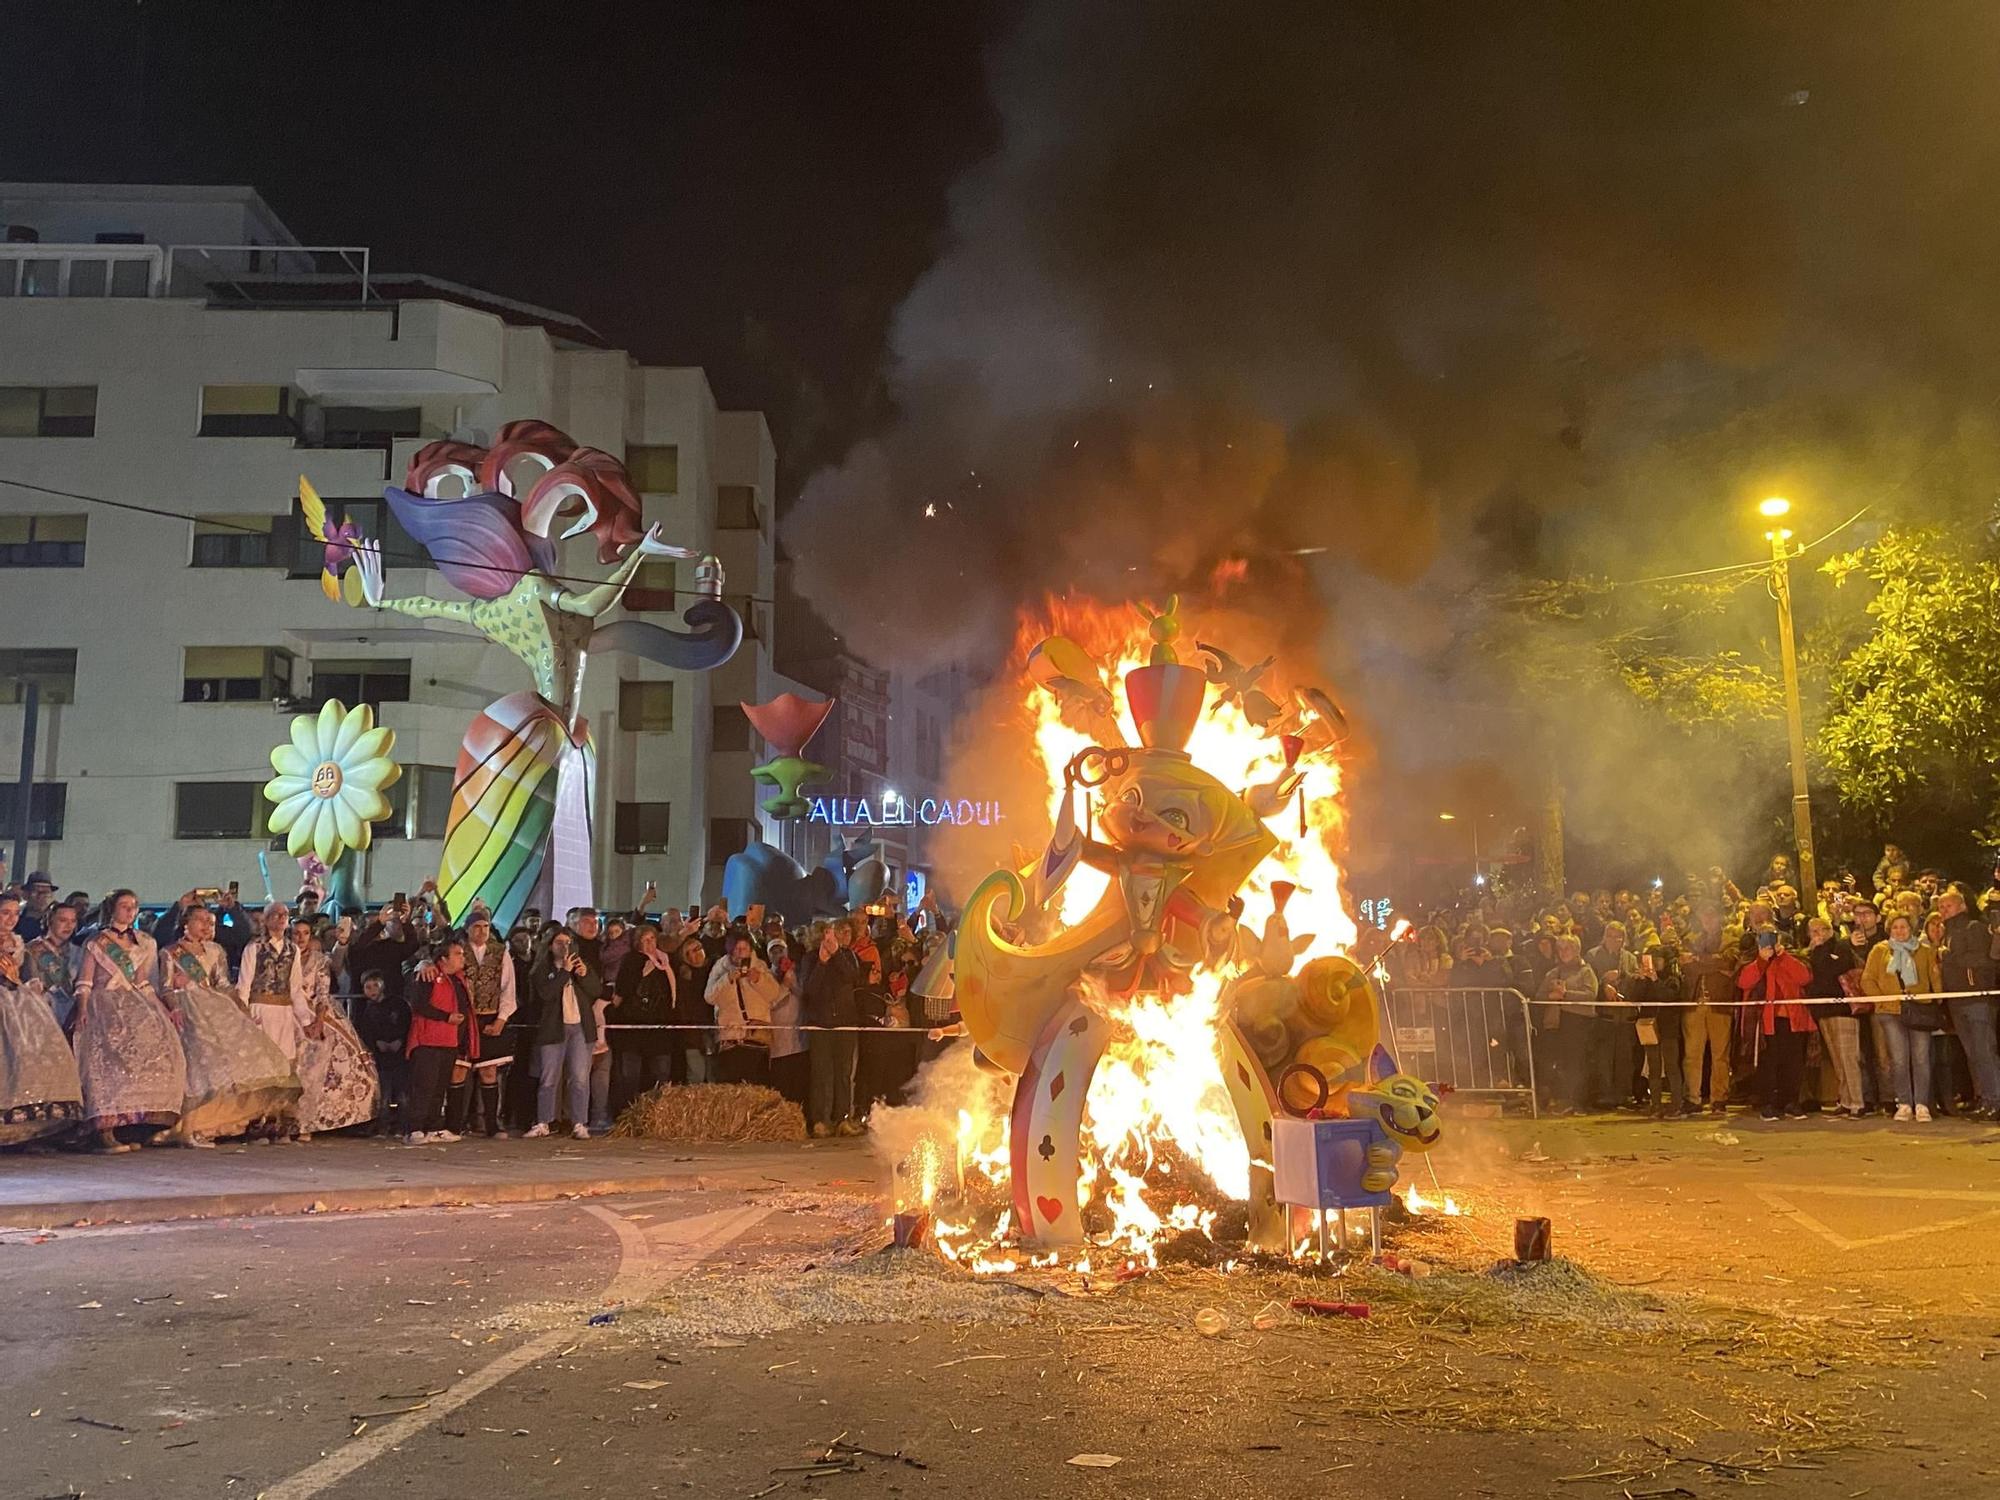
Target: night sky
750,188
1396,303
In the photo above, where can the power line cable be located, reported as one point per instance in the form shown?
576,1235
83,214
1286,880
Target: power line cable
1745,567
403,557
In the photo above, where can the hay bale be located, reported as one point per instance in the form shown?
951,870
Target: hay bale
712,1112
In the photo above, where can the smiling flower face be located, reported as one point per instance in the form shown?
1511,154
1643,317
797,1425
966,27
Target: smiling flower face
330,781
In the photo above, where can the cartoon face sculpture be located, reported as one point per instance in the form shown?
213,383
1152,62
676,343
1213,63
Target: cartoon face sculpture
1403,1106
1152,810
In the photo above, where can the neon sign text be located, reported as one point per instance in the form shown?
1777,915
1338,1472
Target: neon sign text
900,812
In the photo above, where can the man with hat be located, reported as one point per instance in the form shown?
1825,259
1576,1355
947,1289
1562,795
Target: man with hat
40,896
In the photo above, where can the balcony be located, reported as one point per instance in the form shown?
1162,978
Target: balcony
260,275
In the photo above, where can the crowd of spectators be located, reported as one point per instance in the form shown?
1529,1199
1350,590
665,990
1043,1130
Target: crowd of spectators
555,1025
1871,996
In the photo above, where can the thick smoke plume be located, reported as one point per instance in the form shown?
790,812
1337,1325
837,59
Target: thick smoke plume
1399,301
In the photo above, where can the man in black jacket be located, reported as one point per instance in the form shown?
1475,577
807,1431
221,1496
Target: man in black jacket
831,1000
383,1024
1968,964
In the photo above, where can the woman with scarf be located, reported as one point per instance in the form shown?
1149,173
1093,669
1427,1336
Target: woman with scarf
236,1076
128,1052
789,1063
1901,967
1776,981
40,1093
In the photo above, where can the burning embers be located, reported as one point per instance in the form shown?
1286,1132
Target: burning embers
1131,993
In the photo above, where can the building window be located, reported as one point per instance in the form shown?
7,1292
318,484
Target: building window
731,729
216,809
641,827
647,707
54,671
305,555
235,674
48,411
43,541
652,589
655,469
359,426
247,411
431,785
736,508
727,836
235,542
397,824
48,801
372,682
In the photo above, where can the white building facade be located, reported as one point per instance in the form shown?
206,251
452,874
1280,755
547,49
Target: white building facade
170,363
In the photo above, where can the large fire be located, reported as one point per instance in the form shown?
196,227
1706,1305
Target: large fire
1163,1153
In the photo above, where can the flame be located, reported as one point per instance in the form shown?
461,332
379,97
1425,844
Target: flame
1157,1105
1418,1204
1230,748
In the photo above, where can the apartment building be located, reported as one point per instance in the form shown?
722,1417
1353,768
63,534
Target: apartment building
171,360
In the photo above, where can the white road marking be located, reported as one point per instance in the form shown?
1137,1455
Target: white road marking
1840,1241
647,1258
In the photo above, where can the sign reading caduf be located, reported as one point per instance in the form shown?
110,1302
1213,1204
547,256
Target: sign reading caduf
900,812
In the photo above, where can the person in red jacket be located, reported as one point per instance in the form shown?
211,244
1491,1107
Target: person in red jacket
1779,979
440,1032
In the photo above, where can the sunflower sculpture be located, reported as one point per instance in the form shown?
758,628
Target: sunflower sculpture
330,781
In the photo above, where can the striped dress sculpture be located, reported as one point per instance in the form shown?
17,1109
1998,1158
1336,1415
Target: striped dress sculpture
491,519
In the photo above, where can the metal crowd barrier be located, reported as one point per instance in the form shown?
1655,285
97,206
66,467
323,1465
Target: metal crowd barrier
1470,1041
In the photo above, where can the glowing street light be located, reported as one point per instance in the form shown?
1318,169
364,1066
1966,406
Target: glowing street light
1774,509
1447,817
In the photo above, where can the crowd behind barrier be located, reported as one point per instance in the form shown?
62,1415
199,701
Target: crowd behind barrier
206,1018
1873,996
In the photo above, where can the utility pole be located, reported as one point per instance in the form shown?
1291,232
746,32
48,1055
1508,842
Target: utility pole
1781,589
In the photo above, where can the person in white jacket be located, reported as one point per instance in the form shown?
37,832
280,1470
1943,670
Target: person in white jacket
275,982
743,990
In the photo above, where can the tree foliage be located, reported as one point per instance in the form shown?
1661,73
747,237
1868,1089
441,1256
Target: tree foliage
1913,706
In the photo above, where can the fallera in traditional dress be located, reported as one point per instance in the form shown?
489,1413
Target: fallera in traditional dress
339,1084
128,1053
40,1092
54,964
236,1075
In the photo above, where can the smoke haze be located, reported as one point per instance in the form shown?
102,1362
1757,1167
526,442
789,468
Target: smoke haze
1432,295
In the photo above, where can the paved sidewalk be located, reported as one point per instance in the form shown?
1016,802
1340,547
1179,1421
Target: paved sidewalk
51,1188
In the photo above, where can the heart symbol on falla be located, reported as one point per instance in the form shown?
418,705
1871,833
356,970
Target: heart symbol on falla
1049,1208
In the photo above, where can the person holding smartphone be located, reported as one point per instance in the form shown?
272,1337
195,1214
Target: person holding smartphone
743,992
568,989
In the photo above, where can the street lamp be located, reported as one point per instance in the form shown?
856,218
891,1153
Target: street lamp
1774,510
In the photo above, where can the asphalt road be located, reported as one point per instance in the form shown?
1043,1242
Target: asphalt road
447,1353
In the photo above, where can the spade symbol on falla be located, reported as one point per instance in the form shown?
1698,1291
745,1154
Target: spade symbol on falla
1047,1148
